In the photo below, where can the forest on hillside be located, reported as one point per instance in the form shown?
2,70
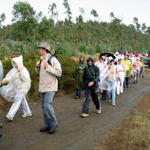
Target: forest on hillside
69,36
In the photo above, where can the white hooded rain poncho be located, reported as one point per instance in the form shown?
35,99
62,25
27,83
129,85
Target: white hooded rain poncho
17,81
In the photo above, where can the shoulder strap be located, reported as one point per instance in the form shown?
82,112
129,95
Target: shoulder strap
49,60
91,72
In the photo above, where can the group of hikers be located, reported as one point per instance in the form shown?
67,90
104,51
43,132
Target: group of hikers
107,77
103,79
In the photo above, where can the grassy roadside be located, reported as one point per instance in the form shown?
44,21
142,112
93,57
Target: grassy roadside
134,131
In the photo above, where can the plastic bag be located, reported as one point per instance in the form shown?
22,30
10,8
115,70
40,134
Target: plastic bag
8,92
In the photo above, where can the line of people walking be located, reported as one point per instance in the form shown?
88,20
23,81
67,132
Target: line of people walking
100,80
106,78
17,83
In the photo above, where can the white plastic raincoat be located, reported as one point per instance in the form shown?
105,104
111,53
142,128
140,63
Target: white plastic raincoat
103,68
18,81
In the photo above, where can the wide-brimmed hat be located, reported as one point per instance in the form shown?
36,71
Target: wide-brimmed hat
44,45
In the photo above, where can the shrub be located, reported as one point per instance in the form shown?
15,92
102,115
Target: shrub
83,48
68,67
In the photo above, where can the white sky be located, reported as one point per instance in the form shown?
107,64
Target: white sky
124,9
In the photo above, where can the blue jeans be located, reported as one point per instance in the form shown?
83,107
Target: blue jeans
126,82
78,92
48,110
1,134
112,90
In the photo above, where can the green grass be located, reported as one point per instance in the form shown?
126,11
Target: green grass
133,132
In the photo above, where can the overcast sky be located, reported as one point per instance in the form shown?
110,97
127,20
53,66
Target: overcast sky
124,9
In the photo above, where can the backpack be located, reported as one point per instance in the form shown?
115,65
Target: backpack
49,62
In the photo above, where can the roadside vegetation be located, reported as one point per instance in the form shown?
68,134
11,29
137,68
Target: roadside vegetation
134,131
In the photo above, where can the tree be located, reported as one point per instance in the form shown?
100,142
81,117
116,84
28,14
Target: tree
24,18
148,30
94,13
68,10
144,27
136,22
22,11
53,11
2,19
112,16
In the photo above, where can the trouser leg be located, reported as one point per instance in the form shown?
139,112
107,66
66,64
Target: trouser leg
121,86
114,93
118,87
127,81
95,99
49,114
109,91
42,103
25,107
85,108
16,105
78,92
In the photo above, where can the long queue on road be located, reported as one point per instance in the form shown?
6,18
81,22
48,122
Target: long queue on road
101,80
113,73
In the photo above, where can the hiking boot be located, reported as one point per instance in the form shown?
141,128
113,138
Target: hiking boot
52,130
44,129
84,115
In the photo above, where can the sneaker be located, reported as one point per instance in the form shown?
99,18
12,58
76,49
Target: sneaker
26,116
44,129
98,111
9,118
113,104
84,115
77,97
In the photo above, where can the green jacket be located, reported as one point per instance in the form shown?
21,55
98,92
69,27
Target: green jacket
79,75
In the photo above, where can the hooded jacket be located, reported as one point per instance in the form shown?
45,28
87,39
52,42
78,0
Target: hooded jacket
18,81
91,74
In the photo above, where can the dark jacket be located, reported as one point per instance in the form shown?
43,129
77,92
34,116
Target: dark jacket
91,73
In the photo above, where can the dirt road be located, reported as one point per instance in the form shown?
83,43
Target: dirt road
74,133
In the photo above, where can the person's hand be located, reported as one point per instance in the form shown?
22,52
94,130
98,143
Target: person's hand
4,81
38,63
90,84
46,65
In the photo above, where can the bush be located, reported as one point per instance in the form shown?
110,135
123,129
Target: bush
68,67
83,48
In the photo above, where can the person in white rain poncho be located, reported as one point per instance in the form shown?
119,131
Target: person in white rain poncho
103,68
1,71
18,84
120,76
